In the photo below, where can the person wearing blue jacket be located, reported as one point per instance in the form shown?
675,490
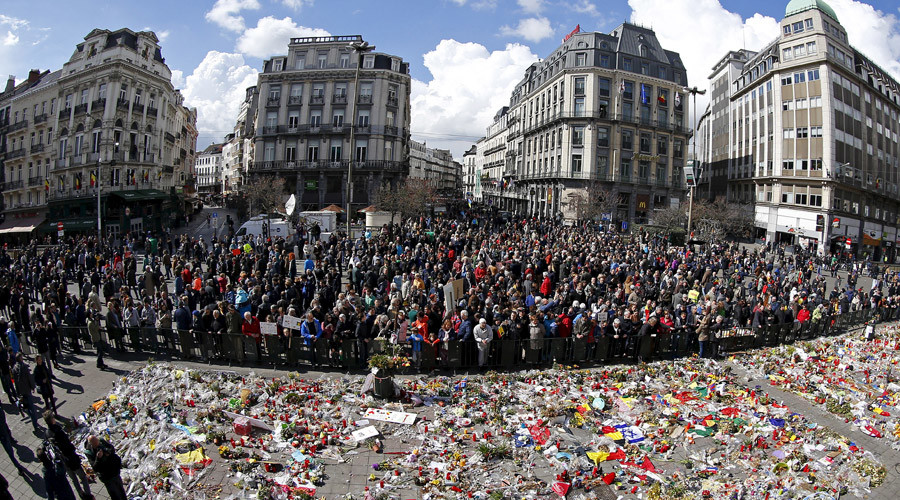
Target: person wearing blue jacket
310,331
13,338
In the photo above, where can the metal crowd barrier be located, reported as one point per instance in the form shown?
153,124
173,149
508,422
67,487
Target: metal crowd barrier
503,353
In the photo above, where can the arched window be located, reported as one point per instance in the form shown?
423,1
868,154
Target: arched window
80,128
64,132
98,123
119,123
134,126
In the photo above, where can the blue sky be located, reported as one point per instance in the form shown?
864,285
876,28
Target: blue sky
465,55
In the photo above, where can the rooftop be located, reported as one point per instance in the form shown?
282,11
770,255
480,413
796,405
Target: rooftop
798,6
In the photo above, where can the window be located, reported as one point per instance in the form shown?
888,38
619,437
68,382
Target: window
337,119
277,64
801,103
322,61
275,92
315,118
345,60
646,140
815,200
580,59
363,118
101,94
787,133
786,80
84,96
645,68
297,90
318,90
604,60
801,164
678,148
626,64
293,120
312,150
362,145
815,131
300,63
389,150
815,102
809,23
365,88
603,137
368,62
811,48
96,137
787,29
643,169
579,86
627,139
625,169
787,105
787,197
662,99
812,75
798,27
628,94
799,77
662,145
576,163
340,89
800,198
787,54
272,118
603,87
661,73
79,140
578,136
787,165
137,97
579,106
815,164
335,153
290,152
799,51
389,119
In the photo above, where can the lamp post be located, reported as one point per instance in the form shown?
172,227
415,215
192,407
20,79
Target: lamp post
693,91
110,162
360,48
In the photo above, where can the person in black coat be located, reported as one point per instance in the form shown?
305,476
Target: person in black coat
54,468
60,438
108,466
43,379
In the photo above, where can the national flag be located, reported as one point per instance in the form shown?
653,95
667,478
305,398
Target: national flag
159,175
645,99
677,100
661,99
133,177
93,178
61,184
146,175
622,87
78,181
47,185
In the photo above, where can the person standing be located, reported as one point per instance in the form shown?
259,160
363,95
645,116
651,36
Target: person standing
483,335
7,441
13,338
25,387
96,337
7,360
54,468
43,379
60,438
108,466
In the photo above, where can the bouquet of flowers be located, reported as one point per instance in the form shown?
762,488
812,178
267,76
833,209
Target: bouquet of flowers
388,362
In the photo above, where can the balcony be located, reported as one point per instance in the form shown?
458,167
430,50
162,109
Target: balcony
18,153
123,104
77,160
273,102
98,105
35,181
64,114
61,162
364,99
317,99
170,137
137,108
17,126
41,118
393,101
81,109
339,99
391,130
295,100
281,165
37,148
273,129
363,129
12,185
152,112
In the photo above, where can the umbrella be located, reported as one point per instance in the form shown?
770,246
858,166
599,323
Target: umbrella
369,209
334,208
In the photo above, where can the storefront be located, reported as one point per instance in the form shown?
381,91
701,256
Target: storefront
19,227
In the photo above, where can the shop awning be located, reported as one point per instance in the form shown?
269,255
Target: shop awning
141,195
71,225
21,225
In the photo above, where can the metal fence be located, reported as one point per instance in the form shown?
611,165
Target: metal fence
294,352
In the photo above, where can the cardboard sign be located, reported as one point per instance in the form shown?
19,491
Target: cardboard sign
394,417
267,328
291,322
255,422
364,433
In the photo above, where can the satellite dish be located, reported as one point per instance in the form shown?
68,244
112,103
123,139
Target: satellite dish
290,205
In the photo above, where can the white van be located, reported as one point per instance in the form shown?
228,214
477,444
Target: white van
278,227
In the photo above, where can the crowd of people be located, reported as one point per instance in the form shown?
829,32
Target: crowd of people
524,280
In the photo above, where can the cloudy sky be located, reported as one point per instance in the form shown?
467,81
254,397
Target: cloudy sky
465,55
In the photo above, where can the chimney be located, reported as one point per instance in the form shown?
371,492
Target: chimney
10,83
33,75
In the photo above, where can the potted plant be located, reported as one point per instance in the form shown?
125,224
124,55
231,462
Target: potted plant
383,367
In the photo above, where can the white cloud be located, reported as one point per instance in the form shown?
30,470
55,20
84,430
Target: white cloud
585,7
296,4
531,6
272,35
217,88
226,13
873,32
13,22
533,29
10,39
453,103
178,78
163,35
478,5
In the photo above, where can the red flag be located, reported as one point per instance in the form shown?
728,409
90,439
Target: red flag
561,488
609,478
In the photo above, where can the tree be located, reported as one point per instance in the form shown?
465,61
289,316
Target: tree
265,194
719,219
596,200
409,200
670,219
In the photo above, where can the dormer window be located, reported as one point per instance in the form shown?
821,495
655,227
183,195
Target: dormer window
645,52
277,64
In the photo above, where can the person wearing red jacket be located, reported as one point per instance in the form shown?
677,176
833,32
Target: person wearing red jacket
545,286
480,271
250,327
564,326
803,314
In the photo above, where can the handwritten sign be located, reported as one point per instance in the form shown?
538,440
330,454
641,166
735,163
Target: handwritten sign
291,322
394,417
267,328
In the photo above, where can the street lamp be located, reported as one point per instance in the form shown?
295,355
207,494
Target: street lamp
693,91
99,177
360,48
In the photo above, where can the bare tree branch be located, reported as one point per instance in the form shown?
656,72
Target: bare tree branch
265,194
